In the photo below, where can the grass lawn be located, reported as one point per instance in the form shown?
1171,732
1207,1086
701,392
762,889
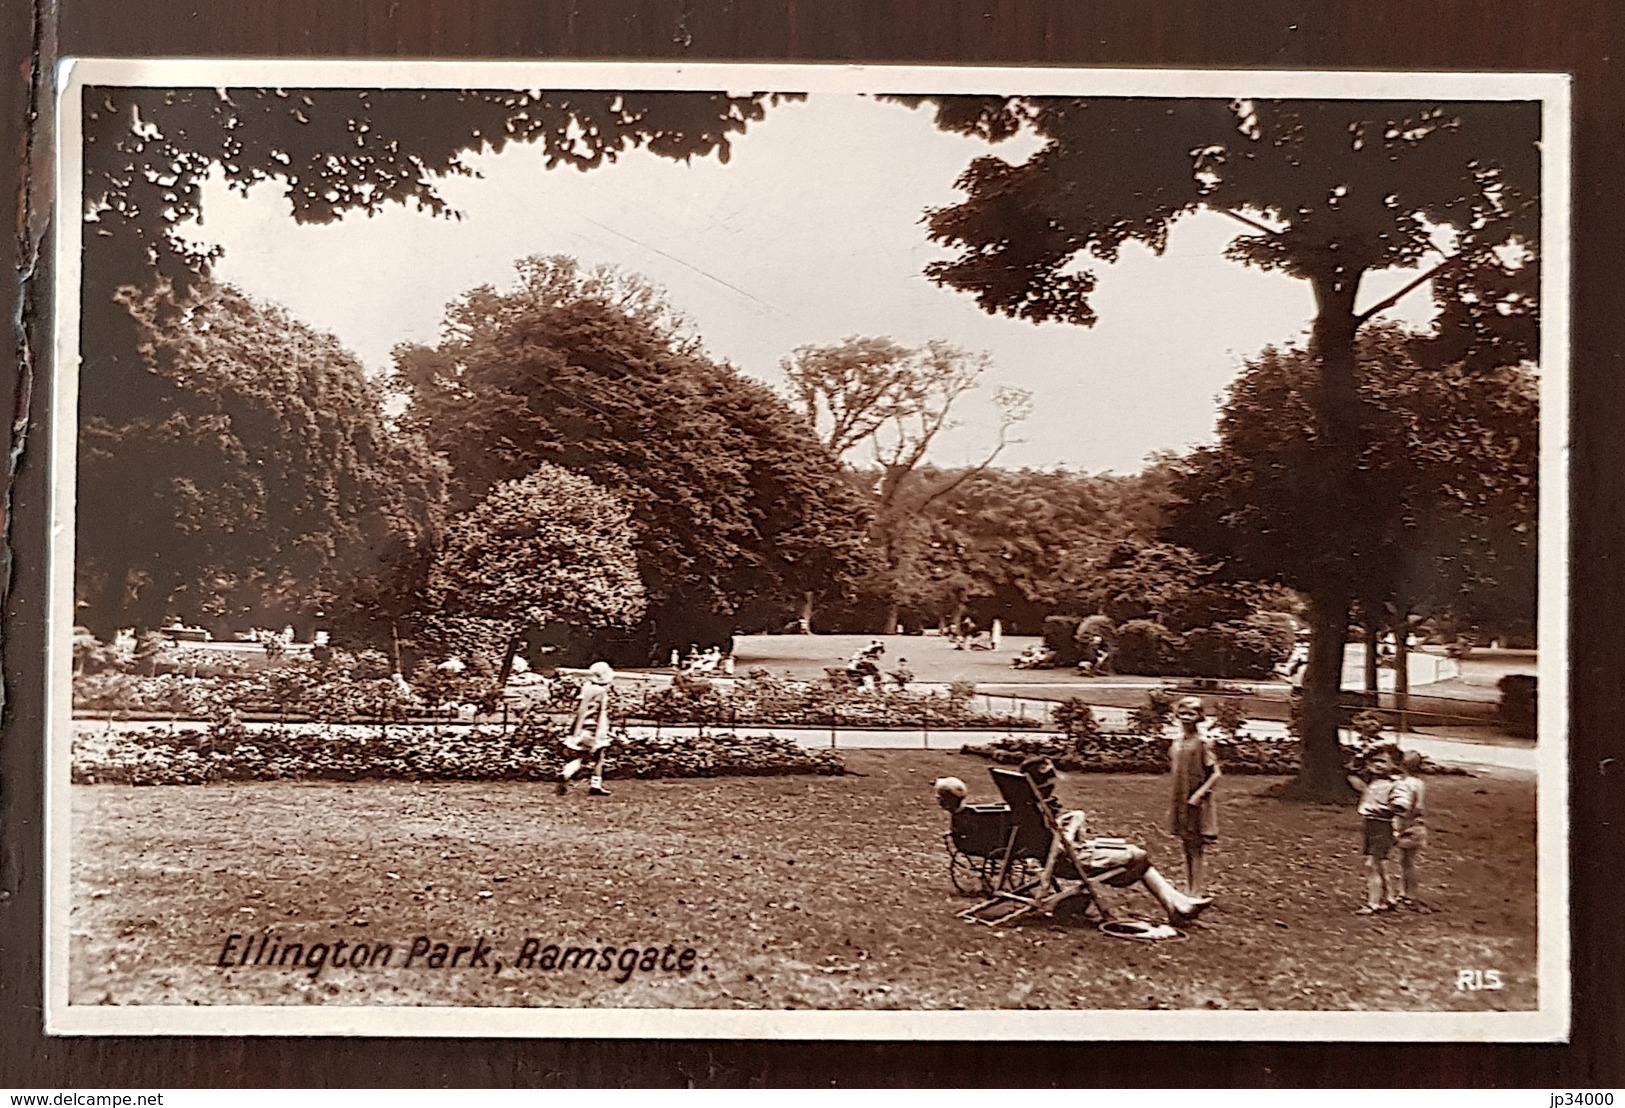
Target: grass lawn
793,892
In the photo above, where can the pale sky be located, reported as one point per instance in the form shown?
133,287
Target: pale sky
811,233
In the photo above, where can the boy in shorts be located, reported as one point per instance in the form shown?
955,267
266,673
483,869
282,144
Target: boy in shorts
1410,827
1377,811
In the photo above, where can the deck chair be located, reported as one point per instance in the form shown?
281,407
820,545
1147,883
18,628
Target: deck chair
1063,877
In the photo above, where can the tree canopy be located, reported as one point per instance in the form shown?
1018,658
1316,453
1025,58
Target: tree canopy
1446,486
551,547
897,401
148,152
735,506
1326,191
265,480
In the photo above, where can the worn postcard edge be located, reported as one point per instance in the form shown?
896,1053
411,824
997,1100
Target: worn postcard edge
1549,1022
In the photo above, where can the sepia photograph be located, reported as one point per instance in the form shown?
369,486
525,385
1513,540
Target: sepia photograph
722,550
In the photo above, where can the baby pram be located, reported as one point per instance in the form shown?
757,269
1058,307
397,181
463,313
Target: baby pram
988,851
1017,856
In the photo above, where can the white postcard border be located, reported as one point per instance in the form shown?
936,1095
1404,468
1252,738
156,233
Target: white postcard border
1550,1022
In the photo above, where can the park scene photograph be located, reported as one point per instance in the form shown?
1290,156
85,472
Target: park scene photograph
978,548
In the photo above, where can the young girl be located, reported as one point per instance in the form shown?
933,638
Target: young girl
590,734
1195,766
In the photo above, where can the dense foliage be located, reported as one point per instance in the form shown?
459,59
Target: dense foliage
330,152
735,510
1085,747
764,699
552,548
1325,191
1445,490
253,474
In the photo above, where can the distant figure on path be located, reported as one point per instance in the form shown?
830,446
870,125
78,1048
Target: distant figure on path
589,735
997,632
1195,768
864,667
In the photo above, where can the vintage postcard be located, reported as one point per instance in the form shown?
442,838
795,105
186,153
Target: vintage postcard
565,549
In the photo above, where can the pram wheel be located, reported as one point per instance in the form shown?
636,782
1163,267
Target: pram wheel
1021,873
966,872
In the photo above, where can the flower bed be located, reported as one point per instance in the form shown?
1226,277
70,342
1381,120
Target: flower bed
358,689
1135,753
1085,747
1129,752
229,750
762,700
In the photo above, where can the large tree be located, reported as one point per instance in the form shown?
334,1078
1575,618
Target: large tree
1009,544
148,152
1325,191
737,509
895,401
264,483
1446,484
330,152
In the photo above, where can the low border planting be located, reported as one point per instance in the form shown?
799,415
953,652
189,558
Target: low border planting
230,750
1085,747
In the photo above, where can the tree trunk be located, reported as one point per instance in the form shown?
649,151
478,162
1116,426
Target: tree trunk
807,613
1402,670
508,656
1373,646
1321,774
893,610
1336,399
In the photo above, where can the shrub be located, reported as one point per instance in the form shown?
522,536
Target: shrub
1242,649
1151,718
1146,648
687,699
1278,630
1100,753
1131,753
91,655
1060,635
1075,718
1229,715
1518,707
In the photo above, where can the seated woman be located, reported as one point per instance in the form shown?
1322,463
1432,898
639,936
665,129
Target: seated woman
865,664
1099,856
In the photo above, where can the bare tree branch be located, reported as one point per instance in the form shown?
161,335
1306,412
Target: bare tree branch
1389,301
1015,405
1253,223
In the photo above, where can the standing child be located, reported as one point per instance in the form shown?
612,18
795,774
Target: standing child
1195,766
590,733
1410,826
1377,811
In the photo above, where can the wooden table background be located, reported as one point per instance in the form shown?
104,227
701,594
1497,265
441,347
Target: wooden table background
1584,37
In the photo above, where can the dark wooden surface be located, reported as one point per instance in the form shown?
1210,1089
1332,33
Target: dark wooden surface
1584,37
